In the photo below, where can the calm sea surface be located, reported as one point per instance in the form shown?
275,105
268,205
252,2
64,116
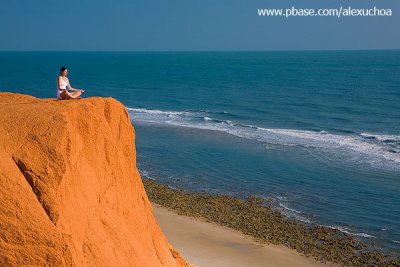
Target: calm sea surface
317,133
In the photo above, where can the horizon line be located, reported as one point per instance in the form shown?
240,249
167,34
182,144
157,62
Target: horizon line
238,50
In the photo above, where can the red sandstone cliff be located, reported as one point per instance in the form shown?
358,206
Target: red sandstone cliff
70,193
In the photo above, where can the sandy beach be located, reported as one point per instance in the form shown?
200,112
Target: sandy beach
208,244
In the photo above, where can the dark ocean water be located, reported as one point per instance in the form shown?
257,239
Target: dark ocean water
317,133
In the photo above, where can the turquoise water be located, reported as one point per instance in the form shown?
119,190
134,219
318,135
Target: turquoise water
317,133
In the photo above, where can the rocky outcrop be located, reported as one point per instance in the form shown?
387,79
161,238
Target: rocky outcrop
70,192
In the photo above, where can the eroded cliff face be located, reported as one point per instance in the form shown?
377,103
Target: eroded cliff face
70,192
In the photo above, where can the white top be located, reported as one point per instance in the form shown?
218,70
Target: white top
63,84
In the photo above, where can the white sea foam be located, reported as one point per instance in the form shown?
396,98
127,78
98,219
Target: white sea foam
150,111
287,208
365,147
292,213
347,231
363,235
281,203
382,137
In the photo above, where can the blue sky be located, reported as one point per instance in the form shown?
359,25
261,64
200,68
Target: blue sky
190,25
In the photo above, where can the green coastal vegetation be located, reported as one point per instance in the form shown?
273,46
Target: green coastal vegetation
254,216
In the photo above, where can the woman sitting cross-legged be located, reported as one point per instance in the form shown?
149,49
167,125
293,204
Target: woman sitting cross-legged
63,83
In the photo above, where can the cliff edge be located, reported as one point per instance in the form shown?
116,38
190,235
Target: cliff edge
70,192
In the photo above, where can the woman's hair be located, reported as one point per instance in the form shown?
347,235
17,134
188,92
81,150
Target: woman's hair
62,69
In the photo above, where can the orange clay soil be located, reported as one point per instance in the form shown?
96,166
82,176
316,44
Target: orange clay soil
70,192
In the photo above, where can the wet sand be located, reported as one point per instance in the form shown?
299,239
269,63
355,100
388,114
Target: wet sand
208,244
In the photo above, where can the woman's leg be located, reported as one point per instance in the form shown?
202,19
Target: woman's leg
65,95
75,94
70,95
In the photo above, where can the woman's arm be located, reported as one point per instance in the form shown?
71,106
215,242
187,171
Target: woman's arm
70,87
58,82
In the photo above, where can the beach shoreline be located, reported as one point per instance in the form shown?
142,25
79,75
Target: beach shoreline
266,226
207,244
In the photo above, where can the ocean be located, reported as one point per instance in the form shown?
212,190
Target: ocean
317,133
